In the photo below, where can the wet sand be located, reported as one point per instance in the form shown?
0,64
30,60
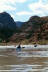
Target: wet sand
24,61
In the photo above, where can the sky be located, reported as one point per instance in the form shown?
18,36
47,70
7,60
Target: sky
21,10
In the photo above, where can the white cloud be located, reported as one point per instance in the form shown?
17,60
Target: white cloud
21,1
5,5
23,13
12,1
38,7
5,8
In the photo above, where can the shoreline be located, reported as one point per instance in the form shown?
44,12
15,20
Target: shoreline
4,44
25,46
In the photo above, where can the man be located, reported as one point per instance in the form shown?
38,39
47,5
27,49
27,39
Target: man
18,48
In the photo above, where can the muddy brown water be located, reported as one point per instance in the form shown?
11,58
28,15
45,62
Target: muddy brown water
24,61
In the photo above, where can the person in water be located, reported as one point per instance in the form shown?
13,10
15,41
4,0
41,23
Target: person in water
18,48
35,44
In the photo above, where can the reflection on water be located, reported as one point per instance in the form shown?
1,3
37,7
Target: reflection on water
24,61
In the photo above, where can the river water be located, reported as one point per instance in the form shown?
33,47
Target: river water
24,61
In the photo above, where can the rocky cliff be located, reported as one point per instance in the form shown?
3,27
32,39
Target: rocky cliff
35,30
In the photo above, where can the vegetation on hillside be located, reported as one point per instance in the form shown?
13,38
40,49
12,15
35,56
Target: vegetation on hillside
35,30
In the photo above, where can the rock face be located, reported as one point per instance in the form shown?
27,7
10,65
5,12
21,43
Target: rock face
34,23
34,30
7,26
6,21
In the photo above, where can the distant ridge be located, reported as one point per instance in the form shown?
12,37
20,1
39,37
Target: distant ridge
19,24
